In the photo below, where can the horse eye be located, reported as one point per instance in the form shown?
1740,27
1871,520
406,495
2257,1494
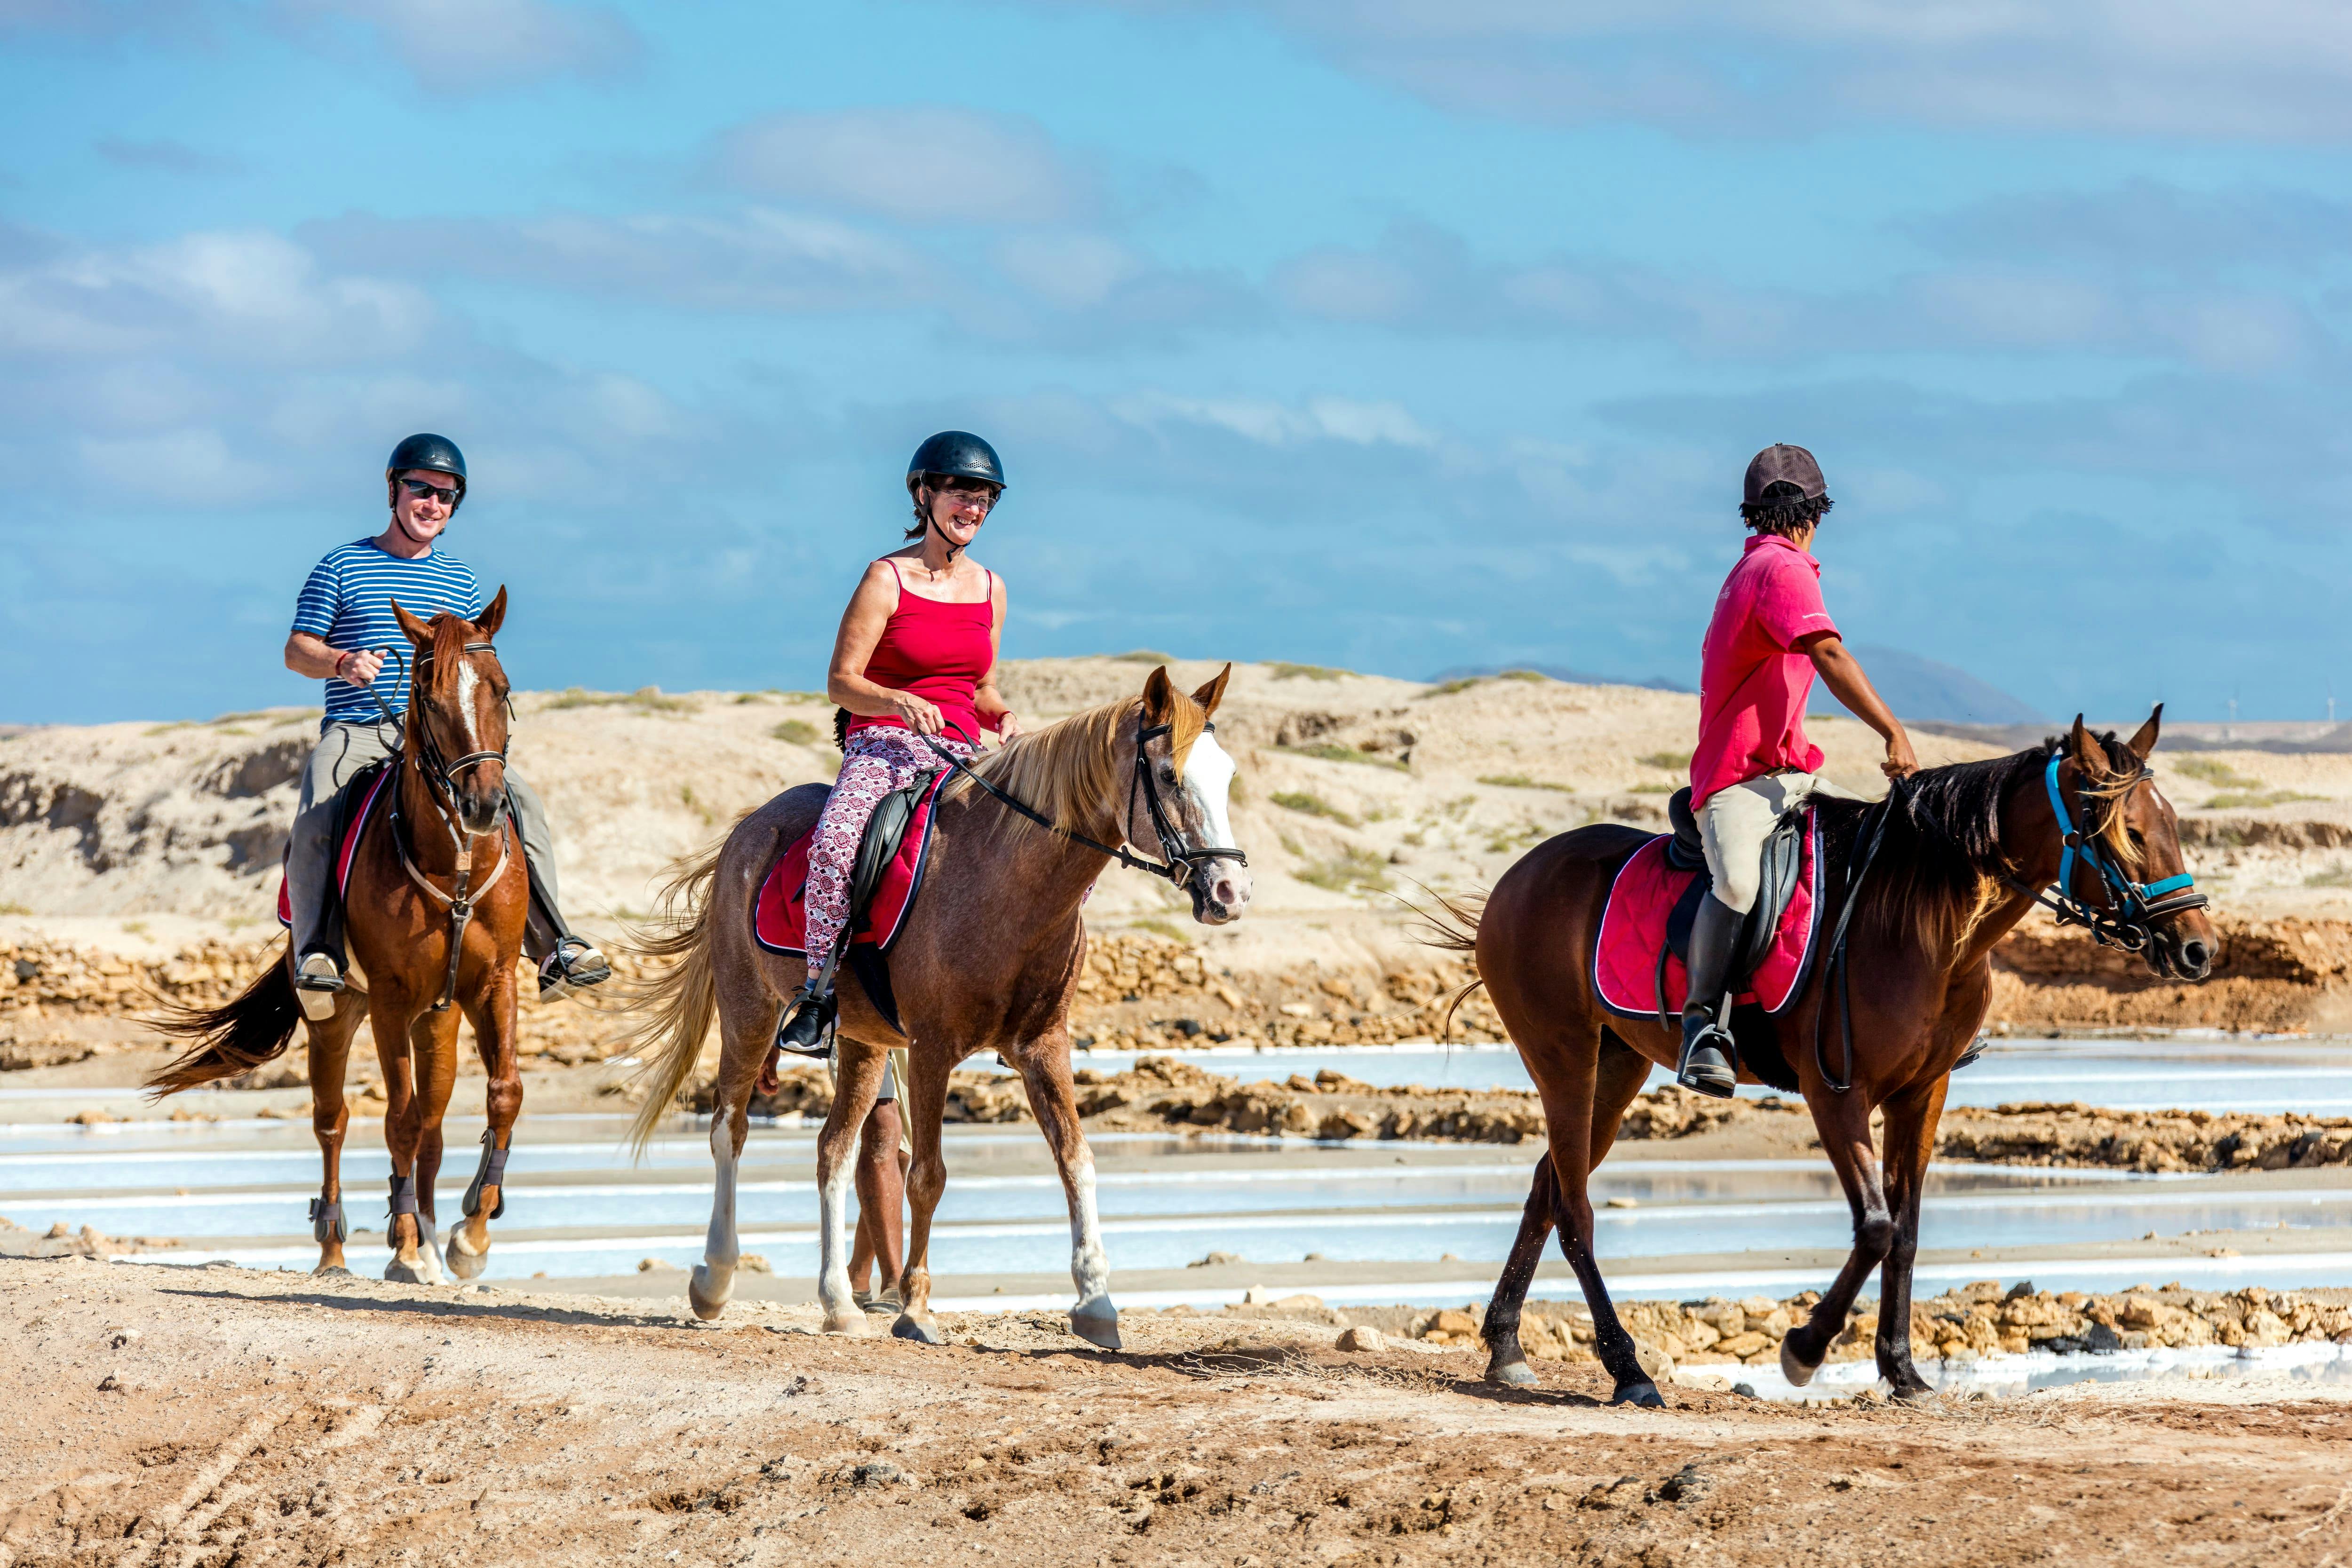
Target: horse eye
1167,773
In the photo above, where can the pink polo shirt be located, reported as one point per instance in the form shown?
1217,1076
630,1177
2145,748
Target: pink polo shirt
1752,682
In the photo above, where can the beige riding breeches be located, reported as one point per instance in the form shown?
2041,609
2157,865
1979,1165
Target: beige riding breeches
1735,823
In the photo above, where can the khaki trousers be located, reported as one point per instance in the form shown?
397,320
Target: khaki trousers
1735,823
341,752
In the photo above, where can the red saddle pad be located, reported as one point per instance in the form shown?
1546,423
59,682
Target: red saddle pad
342,861
1634,928
780,918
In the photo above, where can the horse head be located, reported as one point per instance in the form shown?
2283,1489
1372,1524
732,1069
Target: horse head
1179,804
2128,865
457,712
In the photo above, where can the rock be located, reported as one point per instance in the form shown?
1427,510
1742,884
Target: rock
1654,1362
1361,1337
1455,1322
1217,1261
1740,1346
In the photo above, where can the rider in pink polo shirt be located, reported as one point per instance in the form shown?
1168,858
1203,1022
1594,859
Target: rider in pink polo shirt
1769,636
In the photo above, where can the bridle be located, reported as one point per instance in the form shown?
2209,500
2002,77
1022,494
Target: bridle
1179,859
440,779
2129,921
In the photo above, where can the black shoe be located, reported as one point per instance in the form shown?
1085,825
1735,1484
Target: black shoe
1706,1067
575,966
808,1023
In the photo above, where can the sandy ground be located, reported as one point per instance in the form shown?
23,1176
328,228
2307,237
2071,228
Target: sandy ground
218,1417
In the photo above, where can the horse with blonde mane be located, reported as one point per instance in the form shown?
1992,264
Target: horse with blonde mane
986,960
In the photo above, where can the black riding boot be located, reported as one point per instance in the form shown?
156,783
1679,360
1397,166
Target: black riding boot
1708,1063
809,1020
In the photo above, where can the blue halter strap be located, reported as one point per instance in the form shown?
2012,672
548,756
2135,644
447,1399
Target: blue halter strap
2133,906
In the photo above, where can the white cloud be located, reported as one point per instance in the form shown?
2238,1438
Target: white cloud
2264,68
1265,423
456,47
913,165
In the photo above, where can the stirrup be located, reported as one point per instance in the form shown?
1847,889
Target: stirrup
318,972
1706,1063
575,966
808,1023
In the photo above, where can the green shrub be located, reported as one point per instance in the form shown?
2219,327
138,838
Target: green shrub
796,731
2219,774
1343,754
1668,761
1351,871
1142,657
1287,671
1521,781
644,699
1313,806
2254,800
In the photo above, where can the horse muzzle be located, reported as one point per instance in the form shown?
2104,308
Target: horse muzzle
482,795
2175,954
1221,892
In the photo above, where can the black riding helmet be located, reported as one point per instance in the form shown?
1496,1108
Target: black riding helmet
437,453
956,453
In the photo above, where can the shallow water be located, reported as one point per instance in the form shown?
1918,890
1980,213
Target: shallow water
2007,1376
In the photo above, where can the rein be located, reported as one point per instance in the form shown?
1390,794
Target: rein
2127,923
1176,863
440,785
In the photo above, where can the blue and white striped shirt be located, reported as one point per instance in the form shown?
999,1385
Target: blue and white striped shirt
347,604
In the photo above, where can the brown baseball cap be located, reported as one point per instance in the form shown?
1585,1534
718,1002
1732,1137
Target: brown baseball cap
1784,463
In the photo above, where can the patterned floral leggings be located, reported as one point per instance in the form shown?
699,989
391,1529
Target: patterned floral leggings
877,761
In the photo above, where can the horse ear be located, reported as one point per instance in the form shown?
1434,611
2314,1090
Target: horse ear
1159,697
2089,758
1210,695
2144,742
417,630
492,618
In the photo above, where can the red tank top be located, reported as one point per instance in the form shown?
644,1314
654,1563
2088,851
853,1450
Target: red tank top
937,650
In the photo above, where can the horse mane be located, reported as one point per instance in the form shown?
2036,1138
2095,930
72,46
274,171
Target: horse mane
1068,771
448,651
1939,866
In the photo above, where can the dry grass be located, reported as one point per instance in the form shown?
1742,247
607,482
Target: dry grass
1343,754
1313,806
796,732
1521,781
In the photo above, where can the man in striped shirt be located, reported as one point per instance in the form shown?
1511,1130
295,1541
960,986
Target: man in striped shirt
343,628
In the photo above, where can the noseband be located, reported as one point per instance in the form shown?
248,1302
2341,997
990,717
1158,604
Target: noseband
1178,862
2128,922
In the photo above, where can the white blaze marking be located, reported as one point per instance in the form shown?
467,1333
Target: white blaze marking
1209,779
468,679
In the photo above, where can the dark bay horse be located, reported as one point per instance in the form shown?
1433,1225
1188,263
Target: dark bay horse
987,961
1961,854
447,837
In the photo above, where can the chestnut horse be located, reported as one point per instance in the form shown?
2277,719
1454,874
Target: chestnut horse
445,847
986,961
1947,866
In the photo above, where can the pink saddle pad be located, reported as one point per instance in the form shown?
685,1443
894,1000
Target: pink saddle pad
1633,930
780,918
343,859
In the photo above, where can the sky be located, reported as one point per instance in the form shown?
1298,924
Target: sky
1398,335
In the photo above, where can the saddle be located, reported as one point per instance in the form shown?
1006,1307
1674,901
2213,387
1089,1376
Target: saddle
885,877
1641,947
1782,860
353,803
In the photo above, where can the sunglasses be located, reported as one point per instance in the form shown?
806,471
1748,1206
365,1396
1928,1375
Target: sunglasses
964,490
418,488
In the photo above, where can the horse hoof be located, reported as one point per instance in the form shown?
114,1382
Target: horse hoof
331,1271
707,1296
1642,1395
851,1322
1922,1394
922,1331
1516,1374
462,1263
402,1273
1793,1367
1101,1331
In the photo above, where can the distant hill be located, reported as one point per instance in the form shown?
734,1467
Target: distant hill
1917,688
1560,673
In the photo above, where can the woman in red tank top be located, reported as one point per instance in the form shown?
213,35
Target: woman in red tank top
914,666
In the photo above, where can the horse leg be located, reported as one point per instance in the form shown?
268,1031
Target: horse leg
493,1017
747,1023
328,1044
401,1124
1910,1141
1843,1122
1048,1078
1619,1075
437,1075
856,1081
922,1107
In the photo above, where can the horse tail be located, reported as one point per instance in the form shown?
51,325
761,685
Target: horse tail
1451,926
236,1036
682,999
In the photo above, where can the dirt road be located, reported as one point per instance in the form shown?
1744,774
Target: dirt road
220,1416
